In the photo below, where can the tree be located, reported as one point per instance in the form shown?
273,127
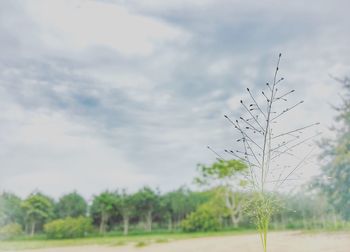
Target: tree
227,177
71,205
10,209
335,178
146,201
125,206
38,208
176,205
165,211
104,205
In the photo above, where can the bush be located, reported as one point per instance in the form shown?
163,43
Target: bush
10,231
68,228
203,219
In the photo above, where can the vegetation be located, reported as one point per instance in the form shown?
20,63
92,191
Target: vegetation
10,231
113,239
335,179
126,209
146,200
68,228
103,207
176,211
228,177
37,209
206,218
263,144
10,209
71,205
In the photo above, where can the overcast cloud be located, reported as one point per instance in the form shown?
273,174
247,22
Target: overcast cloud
111,94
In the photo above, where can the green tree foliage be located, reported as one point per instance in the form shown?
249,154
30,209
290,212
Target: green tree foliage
212,211
10,209
176,205
71,205
126,207
10,231
38,208
228,177
181,208
103,207
335,180
146,202
302,211
68,228
221,172
206,218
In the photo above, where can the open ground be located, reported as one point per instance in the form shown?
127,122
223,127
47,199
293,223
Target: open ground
278,241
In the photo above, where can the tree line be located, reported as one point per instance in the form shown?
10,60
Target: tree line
145,209
148,209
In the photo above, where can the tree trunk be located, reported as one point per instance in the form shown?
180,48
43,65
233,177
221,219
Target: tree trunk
104,219
101,226
304,219
335,221
126,224
32,231
323,221
234,206
170,224
149,221
26,228
284,225
234,220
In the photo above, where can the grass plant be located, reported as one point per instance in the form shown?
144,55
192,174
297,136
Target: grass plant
263,141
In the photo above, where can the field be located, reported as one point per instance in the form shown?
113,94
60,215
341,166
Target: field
211,242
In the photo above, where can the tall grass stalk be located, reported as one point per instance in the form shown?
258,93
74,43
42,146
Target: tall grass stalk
262,144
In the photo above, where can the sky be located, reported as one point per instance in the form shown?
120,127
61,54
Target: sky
98,95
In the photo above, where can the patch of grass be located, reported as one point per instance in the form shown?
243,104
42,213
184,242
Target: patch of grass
40,241
140,244
161,240
325,230
119,243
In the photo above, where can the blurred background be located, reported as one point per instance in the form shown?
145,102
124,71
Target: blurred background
106,95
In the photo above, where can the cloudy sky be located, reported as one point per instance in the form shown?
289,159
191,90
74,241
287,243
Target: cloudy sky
111,94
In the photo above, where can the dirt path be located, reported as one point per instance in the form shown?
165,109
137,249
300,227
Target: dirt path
278,242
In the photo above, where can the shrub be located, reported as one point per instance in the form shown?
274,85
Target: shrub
68,228
10,231
203,219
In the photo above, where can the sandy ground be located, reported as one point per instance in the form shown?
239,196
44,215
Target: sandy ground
279,242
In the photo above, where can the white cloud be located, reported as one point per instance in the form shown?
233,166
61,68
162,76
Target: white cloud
220,67
48,152
123,93
78,25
